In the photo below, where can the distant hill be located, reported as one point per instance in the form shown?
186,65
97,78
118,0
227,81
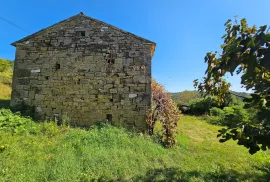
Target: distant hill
183,98
241,95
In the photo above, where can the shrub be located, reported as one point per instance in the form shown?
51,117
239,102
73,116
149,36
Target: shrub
236,114
165,110
233,100
15,123
216,112
229,116
202,105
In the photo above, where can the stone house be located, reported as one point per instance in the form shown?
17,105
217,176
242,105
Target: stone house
86,70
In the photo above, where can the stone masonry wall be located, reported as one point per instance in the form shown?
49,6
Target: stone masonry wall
86,70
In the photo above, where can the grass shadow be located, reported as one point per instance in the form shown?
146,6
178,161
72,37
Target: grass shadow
4,104
174,174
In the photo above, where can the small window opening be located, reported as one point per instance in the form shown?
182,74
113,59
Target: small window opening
126,54
47,77
80,33
79,81
111,61
111,100
57,66
109,117
96,96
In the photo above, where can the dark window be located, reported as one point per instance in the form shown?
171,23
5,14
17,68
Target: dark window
126,54
47,77
57,66
80,33
111,61
109,117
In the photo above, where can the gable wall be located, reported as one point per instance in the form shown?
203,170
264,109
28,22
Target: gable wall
104,75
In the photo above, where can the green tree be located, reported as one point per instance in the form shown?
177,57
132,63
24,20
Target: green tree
202,106
245,51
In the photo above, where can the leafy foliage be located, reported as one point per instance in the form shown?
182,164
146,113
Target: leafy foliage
15,123
6,68
245,51
165,110
229,116
202,105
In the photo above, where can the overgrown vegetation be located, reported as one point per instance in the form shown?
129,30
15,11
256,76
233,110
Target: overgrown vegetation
230,113
229,116
202,105
164,110
245,51
48,152
6,68
6,92
14,123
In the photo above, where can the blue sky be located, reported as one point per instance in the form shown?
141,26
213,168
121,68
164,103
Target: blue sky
183,30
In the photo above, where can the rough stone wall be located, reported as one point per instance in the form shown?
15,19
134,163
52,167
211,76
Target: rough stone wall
86,70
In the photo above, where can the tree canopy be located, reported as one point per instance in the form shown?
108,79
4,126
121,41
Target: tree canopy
245,51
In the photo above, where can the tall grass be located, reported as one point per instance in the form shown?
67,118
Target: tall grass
107,153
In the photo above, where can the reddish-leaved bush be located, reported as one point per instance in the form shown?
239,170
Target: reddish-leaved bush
164,110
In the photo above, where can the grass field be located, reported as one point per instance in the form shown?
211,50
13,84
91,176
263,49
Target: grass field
47,152
106,153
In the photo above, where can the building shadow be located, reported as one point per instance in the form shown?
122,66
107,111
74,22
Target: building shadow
4,104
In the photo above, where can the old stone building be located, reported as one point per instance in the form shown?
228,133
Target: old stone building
86,70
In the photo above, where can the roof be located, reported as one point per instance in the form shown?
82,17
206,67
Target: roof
92,19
